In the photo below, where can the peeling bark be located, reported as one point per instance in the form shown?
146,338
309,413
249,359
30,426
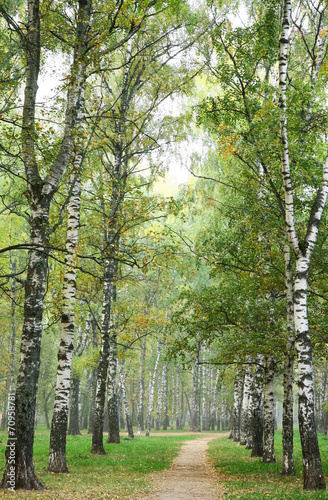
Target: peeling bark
237,402
256,409
112,401
288,467
313,475
269,412
244,417
57,452
151,390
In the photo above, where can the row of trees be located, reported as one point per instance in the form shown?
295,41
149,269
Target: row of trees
218,275
269,192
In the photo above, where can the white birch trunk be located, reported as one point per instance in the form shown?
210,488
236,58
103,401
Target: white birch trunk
269,412
177,398
125,402
112,400
313,475
165,390
173,392
40,193
237,402
140,409
151,391
195,399
159,408
57,452
256,408
288,467
244,420
205,416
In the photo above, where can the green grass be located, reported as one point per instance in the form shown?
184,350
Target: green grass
248,478
122,473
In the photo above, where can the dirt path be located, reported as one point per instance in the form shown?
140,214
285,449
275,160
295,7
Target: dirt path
190,476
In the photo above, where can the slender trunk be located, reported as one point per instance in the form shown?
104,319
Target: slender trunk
237,401
93,380
151,390
257,409
113,413
288,467
164,384
159,408
97,437
195,400
140,409
93,383
313,475
205,419
173,392
13,328
183,413
177,399
125,402
57,452
40,193
244,421
269,411
214,402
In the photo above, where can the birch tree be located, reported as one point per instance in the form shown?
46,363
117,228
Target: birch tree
303,250
40,192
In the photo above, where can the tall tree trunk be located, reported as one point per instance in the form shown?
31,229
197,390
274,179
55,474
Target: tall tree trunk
140,409
244,420
93,380
313,475
237,401
173,393
97,437
257,409
195,399
214,402
205,418
269,411
159,408
93,383
177,398
75,396
288,467
13,327
165,389
125,402
57,452
151,391
40,193
112,404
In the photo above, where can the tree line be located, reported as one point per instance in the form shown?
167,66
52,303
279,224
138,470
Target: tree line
223,276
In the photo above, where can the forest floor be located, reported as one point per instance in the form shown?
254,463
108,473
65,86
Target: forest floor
190,477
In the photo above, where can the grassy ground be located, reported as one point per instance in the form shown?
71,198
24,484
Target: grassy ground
248,478
122,473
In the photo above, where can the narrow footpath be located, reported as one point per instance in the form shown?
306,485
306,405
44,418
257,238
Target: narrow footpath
190,476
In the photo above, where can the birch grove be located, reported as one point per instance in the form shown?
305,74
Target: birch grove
164,178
